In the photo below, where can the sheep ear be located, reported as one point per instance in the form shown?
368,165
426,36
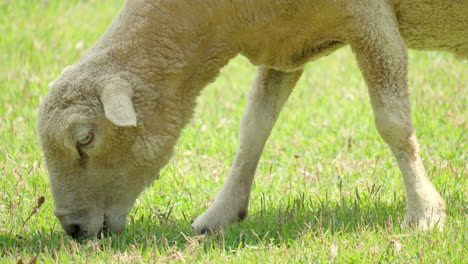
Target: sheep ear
116,98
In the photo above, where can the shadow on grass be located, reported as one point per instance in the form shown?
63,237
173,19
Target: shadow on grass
270,223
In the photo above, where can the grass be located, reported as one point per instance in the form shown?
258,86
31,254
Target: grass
327,188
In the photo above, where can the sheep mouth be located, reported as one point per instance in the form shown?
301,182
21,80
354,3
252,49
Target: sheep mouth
106,228
110,226
104,232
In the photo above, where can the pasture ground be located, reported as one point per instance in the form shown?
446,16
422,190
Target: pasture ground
327,187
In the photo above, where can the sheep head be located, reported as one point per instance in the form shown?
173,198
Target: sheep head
109,123
100,149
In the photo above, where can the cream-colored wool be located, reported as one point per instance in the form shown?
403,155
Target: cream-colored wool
110,121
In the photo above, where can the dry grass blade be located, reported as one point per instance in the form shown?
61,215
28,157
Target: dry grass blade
333,250
33,260
40,202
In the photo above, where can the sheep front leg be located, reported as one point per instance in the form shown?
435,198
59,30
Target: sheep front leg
383,61
268,95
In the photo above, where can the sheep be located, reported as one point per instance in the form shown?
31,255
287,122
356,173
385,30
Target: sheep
109,122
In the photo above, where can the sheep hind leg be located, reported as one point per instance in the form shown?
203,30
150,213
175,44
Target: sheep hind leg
383,63
266,98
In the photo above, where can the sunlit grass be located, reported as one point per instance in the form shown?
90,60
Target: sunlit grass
327,188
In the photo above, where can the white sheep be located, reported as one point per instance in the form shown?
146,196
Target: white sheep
109,122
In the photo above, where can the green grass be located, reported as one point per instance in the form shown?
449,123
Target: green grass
327,188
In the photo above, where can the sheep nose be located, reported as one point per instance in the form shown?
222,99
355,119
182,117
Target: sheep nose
74,230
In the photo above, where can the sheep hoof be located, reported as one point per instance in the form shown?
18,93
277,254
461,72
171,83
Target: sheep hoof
216,218
426,219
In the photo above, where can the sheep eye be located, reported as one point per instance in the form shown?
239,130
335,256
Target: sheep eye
85,139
